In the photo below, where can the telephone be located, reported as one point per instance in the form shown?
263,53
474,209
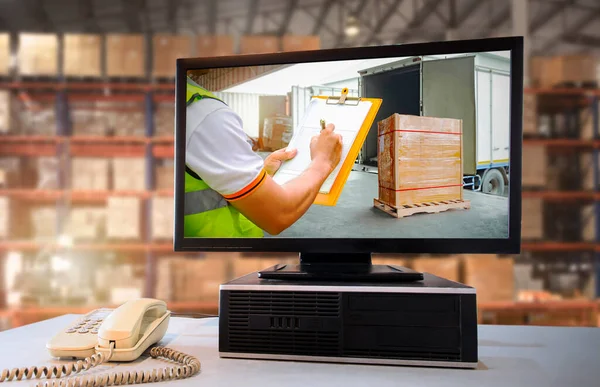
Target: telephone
103,335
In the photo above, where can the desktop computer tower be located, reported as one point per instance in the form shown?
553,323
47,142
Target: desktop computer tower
432,322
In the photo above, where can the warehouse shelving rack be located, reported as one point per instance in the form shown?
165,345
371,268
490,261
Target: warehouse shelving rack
581,97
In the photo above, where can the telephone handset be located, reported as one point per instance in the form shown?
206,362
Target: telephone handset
103,335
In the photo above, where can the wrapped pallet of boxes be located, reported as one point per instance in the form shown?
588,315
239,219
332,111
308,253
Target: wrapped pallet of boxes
492,277
530,125
532,219
4,53
419,161
125,55
300,43
535,161
127,120
89,173
38,54
4,217
214,45
259,44
166,50
81,55
162,217
277,132
446,267
123,217
87,223
129,173
43,222
36,117
89,118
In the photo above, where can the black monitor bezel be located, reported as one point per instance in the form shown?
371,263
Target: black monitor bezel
510,245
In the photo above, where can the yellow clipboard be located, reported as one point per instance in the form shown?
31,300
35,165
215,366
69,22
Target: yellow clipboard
331,198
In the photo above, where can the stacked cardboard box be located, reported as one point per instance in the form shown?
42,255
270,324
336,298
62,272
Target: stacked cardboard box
127,120
492,277
445,267
86,223
277,132
532,219
35,117
129,173
89,173
165,176
419,159
259,44
88,119
123,219
81,55
300,43
549,71
164,119
182,279
38,54
534,166
43,222
125,55
4,216
530,114
4,53
166,50
214,45
162,217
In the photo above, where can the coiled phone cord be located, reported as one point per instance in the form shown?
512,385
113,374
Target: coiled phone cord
188,367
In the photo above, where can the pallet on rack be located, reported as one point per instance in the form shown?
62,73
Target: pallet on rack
430,207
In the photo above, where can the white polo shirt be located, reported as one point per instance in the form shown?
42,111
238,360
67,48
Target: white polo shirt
218,150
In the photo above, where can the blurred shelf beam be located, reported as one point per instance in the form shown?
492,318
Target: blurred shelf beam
545,246
101,86
561,195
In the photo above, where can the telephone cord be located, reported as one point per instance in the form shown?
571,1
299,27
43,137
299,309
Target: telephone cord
188,366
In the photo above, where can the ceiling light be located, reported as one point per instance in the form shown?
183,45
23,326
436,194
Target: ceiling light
352,27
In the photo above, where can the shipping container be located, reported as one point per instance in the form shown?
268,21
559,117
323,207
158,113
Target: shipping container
471,87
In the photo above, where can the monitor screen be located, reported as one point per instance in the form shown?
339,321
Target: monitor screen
414,144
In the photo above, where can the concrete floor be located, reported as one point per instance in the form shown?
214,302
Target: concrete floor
355,217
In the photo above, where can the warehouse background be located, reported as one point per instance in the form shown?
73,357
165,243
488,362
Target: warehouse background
86,146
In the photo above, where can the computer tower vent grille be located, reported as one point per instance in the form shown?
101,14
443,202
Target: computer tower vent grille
280,322
288,304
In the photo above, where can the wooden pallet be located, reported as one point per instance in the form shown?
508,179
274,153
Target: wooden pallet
431,208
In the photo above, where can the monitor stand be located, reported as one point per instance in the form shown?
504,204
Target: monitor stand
356,267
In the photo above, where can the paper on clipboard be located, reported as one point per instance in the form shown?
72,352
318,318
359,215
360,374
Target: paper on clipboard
347,119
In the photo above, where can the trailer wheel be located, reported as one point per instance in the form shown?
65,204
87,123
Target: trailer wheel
492,182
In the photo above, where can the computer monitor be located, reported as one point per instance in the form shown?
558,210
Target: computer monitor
340,153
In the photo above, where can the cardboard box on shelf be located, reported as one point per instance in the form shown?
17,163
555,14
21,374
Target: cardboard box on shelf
129,173
162,217
447,267
165,175
588,223
43,222
549,71
165,51
415,153
164,119
586,165
125,55
89,173
535,160
214,45
8,114
532,222
277,132
4,216
300,43
87,223
491,276
38,54
123,218
5,53
35,117
259,44
125,118
89,119
530,125
11,172
82,55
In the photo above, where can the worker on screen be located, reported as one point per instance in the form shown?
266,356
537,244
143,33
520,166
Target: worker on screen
229,191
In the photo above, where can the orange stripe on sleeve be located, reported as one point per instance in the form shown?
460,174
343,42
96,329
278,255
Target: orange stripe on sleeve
257,182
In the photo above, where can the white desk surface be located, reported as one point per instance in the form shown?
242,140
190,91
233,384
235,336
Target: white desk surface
509,356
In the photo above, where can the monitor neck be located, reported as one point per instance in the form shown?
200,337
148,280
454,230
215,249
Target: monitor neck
335,258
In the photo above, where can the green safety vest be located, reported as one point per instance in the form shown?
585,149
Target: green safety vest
207,213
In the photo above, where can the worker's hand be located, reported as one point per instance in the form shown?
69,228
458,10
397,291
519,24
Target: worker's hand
326,148
274,160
